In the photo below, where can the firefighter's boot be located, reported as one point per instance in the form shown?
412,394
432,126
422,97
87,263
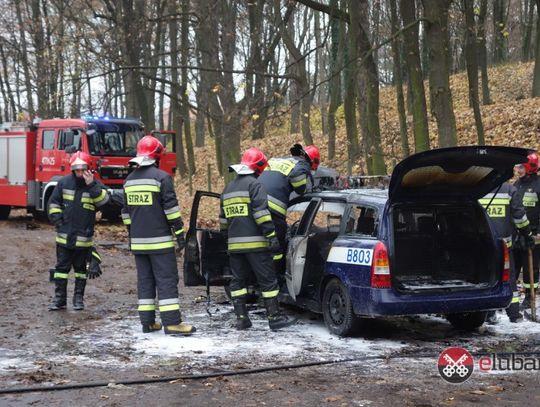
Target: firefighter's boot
242,317
78,294
60,295
276,319
526,301
181,329
153,327
513,312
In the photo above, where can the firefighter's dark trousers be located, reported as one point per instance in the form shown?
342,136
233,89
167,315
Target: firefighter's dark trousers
522,263
67,258
513,309
259,263
158,272
280,224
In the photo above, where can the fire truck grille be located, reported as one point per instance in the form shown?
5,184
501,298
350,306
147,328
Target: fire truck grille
116,172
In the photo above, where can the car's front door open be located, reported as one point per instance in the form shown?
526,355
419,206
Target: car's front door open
296,253
205,255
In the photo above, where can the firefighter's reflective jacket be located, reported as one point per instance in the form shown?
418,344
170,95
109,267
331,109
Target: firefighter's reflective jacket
244,215
506,211
281,177
151,210
529,188
72,209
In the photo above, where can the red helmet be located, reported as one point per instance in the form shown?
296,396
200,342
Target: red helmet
314,156
531,166
150,147
80,161
255,160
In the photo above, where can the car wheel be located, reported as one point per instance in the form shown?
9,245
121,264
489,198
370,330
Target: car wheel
467,321
337,309
4,212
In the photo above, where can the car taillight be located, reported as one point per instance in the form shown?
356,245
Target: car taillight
380,268
506,267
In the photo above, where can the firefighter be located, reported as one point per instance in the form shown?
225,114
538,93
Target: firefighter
251,239
152,215
283,177
505,208
72,209
528,186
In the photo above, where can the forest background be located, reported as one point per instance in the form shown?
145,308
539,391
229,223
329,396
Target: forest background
369,82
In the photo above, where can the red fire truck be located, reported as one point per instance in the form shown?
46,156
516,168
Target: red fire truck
34,157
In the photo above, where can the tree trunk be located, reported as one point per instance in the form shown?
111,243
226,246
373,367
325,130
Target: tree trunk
536,77
298,63
482,52
416,82
176,110
350,87
321,59
374,152
398,80
472,67
230,143
11,98
436,11
527,35
184,58
500,31
24,60
336,61
255,86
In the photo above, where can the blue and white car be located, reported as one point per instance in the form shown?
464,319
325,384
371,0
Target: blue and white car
422,246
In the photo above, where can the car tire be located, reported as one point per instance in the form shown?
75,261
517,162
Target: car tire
4,212
467,321
337,309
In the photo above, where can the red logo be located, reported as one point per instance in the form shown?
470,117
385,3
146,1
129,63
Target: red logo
455,365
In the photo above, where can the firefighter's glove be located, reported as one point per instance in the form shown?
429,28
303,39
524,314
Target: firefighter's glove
94,270
530,241
273,245
94,261
181,240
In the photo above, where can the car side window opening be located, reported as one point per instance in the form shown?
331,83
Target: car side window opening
208,213
362,221
48,140
328,218
65,140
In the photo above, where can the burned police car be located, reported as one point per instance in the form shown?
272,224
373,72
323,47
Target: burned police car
422,246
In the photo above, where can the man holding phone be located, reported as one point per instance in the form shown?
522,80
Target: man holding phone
72,209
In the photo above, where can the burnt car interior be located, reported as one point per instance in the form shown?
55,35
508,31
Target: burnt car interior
321,234
362,221
442,247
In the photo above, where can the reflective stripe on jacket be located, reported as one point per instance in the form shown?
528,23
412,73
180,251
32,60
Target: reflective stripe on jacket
529,188
72,208
282,177
505,210
245,216
151,210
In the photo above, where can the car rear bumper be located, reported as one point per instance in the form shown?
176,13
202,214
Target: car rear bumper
378,302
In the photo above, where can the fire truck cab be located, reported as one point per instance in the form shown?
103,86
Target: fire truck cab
34,157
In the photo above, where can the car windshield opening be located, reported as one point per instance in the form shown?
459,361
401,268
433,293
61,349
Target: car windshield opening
115,140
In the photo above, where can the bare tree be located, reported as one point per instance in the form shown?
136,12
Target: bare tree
415,77
472,67
436,13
